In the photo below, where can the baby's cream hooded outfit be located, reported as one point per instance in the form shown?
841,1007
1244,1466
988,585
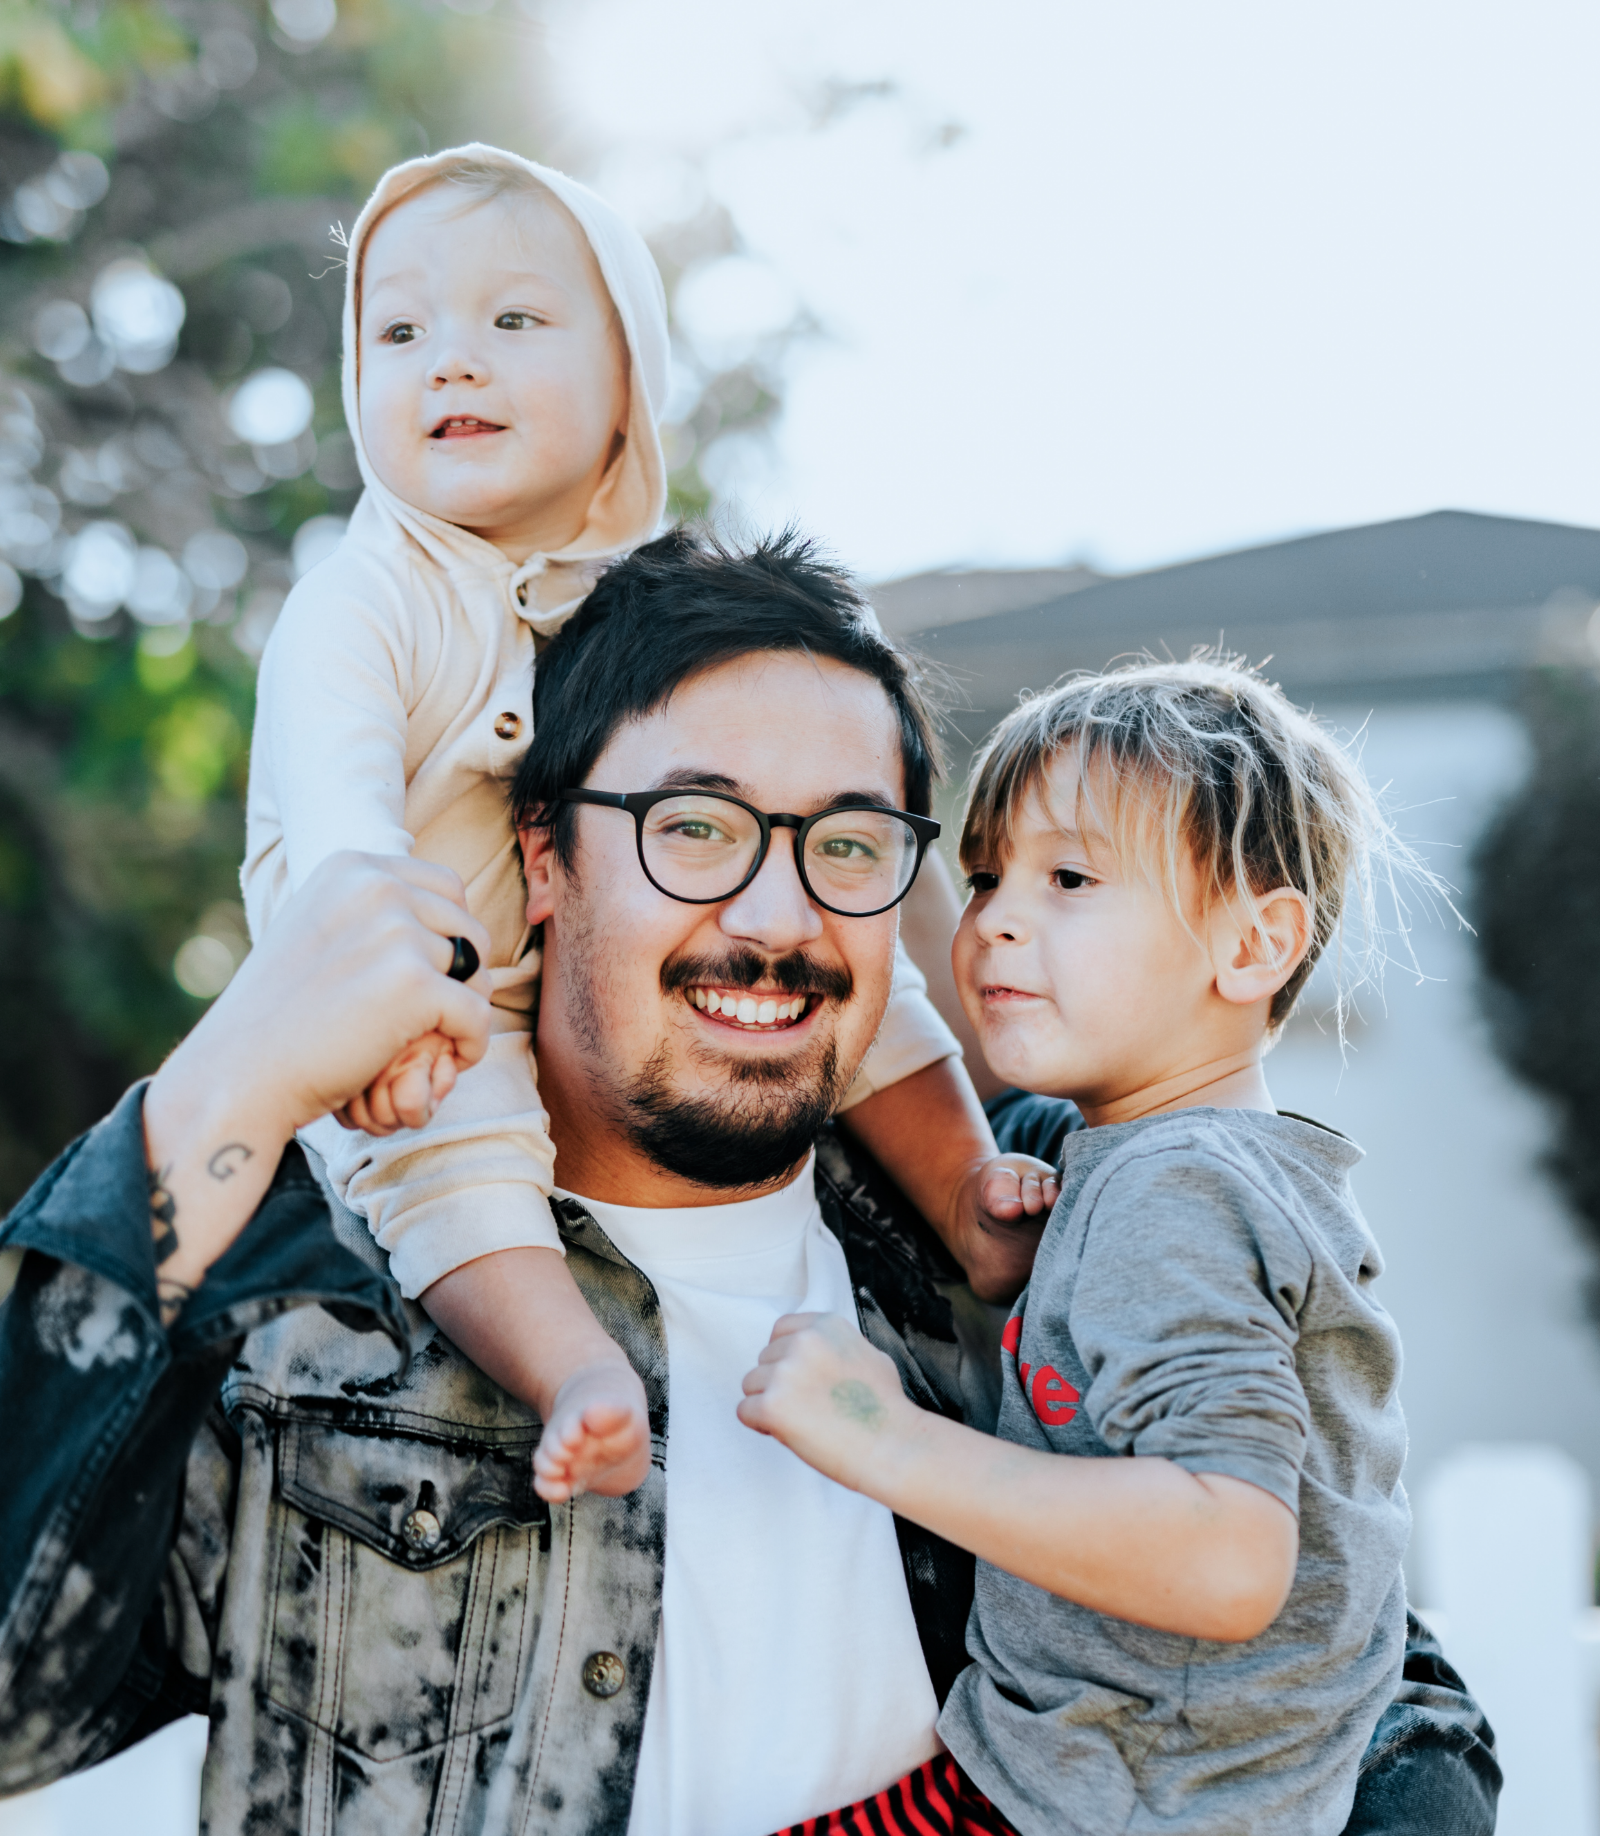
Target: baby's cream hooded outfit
393,707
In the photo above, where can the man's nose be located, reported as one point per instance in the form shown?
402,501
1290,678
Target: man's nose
773,912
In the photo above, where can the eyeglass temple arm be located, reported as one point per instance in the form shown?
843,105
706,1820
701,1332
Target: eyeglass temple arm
607,799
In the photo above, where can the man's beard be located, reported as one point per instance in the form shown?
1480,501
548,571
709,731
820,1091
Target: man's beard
753,1133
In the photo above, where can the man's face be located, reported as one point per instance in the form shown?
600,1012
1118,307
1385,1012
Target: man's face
641,1077
492,382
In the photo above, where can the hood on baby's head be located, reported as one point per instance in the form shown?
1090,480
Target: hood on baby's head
629,505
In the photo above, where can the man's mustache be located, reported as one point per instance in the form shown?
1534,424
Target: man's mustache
795,973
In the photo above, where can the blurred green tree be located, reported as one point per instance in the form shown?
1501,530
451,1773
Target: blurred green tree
1537,876
169,173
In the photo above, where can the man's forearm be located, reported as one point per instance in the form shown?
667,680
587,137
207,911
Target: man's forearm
211,1156
929,1129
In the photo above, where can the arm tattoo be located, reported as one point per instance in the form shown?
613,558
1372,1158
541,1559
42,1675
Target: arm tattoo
163,1213
227,1160
170,1295
171,1298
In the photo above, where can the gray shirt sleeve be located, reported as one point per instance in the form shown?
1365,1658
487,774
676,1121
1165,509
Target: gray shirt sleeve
1185,1314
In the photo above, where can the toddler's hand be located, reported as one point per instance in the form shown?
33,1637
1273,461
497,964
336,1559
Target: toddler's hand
1001,1211
407,1091
598,1436
827,1394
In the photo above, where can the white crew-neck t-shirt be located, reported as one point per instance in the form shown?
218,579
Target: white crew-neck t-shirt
789,1679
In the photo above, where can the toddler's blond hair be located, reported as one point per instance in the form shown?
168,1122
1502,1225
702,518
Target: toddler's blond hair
1209,759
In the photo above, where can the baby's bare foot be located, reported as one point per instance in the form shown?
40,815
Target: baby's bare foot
598,1436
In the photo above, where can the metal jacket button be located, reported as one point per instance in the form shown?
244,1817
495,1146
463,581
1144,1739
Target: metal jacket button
603,1673
422,1530
507,725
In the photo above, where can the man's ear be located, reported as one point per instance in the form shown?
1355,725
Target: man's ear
538,869
1254,954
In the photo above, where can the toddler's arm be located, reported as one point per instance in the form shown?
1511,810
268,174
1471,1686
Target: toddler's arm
1200,1554
519,1316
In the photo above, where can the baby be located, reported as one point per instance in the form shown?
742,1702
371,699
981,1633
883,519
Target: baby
1190,1610
505,365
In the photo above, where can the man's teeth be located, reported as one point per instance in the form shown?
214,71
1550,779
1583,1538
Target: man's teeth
748,1010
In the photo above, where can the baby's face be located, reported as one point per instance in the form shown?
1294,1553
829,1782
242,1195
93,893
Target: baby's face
493,383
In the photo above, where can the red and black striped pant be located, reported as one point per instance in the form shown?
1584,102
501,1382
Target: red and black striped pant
938,1799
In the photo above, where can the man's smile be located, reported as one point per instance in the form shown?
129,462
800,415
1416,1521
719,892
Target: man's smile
750,1010
463,427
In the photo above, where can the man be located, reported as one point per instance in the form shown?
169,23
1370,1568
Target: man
255,1512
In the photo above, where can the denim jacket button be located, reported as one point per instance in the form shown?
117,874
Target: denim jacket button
603,1673
422,1531
507,726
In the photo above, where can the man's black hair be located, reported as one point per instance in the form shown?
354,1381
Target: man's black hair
682,604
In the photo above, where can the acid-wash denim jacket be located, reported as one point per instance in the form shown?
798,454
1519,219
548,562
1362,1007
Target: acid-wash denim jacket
335,1552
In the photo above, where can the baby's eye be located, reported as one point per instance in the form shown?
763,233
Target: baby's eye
982,882
516,321
1068,879
401,332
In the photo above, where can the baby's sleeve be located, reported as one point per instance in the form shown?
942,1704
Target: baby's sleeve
328,753
1185,1314
476,1180
912,1037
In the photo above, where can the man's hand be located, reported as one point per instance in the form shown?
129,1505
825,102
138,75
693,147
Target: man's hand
830,1397
353,969
998,1214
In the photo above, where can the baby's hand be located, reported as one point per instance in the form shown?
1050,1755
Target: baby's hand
827,1394
598,1436
1002,1209
407,1091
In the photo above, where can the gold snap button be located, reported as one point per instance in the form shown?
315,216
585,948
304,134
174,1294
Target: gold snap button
604,1673
507,725
422,1531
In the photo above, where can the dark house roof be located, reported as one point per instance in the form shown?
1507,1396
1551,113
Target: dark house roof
1448,604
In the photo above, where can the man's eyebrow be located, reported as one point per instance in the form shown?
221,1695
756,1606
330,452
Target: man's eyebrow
686,778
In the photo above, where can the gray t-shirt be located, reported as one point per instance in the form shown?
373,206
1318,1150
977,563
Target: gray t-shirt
1203,1293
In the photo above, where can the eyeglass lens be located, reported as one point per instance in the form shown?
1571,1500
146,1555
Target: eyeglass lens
701,847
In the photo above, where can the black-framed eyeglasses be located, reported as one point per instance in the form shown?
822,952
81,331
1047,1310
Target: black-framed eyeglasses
702,847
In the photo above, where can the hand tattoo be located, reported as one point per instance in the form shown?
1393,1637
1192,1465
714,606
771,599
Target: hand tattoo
227,1160
857,1402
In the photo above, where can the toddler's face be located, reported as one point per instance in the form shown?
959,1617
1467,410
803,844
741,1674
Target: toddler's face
1079,976
493,385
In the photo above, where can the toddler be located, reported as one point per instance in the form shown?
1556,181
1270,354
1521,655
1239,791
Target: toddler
505,365
1189,1610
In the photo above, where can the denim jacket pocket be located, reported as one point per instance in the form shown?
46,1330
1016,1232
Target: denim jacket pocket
403,1591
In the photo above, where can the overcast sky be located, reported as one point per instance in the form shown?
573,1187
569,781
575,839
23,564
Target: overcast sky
1131,282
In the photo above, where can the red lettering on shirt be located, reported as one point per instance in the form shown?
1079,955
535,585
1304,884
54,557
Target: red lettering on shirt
1054,1411
1011,1338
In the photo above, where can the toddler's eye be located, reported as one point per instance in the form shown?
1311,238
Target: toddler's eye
516,321
402,332
1068,879
982,882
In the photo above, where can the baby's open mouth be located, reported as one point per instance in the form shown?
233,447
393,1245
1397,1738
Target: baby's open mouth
755,1011
459,426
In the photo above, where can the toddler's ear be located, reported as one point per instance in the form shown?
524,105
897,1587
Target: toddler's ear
538,859
1254,960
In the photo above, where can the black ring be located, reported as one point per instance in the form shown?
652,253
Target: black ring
464,964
